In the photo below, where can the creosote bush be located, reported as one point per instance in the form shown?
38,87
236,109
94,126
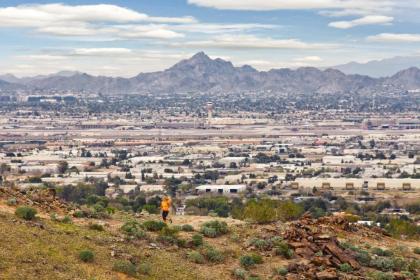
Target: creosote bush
214,229
96,227
26,213
154,225
248,261
125,267
197,240
187,228
283,249
12,202
195,257
281,271
345,267
213,255
86,256
145,268
416,250
239,273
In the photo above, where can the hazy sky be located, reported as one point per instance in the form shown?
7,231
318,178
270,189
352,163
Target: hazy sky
127,37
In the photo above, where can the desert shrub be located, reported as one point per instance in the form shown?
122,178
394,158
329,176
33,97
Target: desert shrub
195,257
145,268
125,267
253,277
377,275
187,228
413,265
345,267
248,261
197,240
182,243
66,220
134,229
281,271
398,228
167,239
26,213
79,214
86,256
154,225
213,255
260,244
283,249
218,205
12,202
409,275
381,252
214,228
96,227
382,263
363,258
416,250
266,211
239,273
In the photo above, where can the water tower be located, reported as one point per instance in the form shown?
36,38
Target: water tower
210,108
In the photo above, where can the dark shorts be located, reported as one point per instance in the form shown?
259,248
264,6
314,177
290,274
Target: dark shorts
165,215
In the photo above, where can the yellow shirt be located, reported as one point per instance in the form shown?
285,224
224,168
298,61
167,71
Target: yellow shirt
165,205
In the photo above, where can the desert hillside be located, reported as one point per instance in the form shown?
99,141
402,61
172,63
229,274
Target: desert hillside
56,243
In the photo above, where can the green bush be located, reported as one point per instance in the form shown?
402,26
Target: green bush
197,240
381,276
283,249
125,267
209,232
267,211
12,202
86,256
345,267
150,208
239,273
134,229
260,244
214,229
248,261
281,271
66,220
145,268
213,255
26,213
253,277
187,228
416,250
381,252
79,214
154,225
363,258
398,228
383,263
195,257
96,227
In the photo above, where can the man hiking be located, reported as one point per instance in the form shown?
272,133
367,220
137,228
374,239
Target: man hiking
165,206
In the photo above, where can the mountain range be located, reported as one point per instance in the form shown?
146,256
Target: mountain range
200,73
380,68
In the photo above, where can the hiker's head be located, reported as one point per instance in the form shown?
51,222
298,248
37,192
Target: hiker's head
166,198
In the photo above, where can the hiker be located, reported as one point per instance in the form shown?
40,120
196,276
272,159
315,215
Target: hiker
165,206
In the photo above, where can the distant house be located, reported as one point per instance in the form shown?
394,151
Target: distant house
221,189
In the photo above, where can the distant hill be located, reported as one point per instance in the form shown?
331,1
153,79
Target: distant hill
200,73
380,68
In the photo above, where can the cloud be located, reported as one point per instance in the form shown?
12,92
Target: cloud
90,20
266,5
101,51
395,38
367,20
252,42
212,28
309,59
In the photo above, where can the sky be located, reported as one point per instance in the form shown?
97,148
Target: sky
124,38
